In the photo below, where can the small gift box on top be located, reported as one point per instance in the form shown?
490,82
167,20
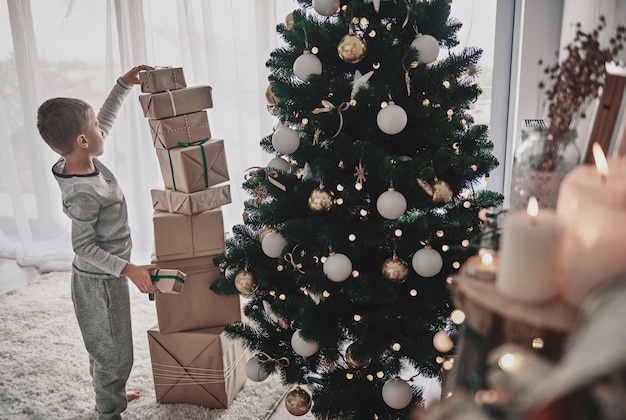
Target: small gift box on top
187,128
176,102
168,280
194,167
161,79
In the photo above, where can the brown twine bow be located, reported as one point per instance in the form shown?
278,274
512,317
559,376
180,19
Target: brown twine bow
289,258
270,174
327,106
264,358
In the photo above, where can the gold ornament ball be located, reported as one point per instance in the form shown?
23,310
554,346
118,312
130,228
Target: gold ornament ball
442,193
320,200
356,363
395,269
269,95
298,402
351,48
289,21
245,283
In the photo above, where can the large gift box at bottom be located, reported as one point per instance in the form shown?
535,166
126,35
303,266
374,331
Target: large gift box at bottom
200,367
197,306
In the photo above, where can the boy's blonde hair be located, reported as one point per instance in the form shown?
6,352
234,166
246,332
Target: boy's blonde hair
61,120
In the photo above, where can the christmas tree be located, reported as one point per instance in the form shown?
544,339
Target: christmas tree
354,228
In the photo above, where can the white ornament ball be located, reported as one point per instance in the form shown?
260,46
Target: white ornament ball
254,371
427,262
337,267
279,164
285,140
391,119
427,47
391,204
306,65
397,394
273,244
326,7
301,347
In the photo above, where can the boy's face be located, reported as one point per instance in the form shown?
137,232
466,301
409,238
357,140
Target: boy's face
95,136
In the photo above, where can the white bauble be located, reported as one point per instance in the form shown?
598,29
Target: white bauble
279,164
391,119
285,140
391,204
397,394
337,267
306,65
427,262
427,46
254,371
326,7
301,347
273,244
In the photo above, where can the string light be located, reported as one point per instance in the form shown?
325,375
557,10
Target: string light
457,316
358,186
465,243
326,293
349,376
352,237
315,50
355,273
445,248
357,317
538,343
413,292
398,232
339,187
456,265
282,296
363,212
380,374
396,347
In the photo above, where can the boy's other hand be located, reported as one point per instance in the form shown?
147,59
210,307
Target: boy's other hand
132,76
140,276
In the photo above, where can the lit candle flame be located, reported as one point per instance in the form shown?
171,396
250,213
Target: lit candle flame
533,207
601,165
487,258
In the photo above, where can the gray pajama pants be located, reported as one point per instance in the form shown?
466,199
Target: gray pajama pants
102,309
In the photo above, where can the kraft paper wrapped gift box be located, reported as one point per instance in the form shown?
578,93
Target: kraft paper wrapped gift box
168,280
165,199
187,128
176,102
162,79
179,236
194,167
197,306
200,367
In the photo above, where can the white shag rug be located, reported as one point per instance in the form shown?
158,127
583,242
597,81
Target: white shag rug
44,368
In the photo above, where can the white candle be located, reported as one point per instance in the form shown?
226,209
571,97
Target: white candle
530,251
592,203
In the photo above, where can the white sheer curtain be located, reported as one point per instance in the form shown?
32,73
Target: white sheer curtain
78,48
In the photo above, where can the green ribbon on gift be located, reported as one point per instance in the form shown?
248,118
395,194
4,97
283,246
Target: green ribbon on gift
156,277
206,169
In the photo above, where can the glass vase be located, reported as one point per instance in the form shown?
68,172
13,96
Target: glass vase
540,163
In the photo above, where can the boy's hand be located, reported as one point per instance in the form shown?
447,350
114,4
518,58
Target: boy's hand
140,276
132,76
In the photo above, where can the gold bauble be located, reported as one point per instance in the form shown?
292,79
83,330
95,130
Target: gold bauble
269,95
298,402
320,200
289,21
442,193
245,283
395,269
266,232
351,48
356,363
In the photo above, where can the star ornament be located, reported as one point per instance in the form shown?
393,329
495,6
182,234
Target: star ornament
360,82
376,4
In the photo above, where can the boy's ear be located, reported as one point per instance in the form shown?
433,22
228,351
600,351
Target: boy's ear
81,141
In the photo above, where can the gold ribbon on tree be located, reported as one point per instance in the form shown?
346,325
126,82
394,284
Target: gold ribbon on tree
270,174
327,106
289,258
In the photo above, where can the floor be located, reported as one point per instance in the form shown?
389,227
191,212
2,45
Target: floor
12,276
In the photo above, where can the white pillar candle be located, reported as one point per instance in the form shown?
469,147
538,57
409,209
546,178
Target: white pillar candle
593,206
530,254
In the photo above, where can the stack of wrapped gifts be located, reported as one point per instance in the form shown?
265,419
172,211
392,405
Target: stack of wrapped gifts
192,359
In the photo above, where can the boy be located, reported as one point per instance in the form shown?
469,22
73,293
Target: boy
94,202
